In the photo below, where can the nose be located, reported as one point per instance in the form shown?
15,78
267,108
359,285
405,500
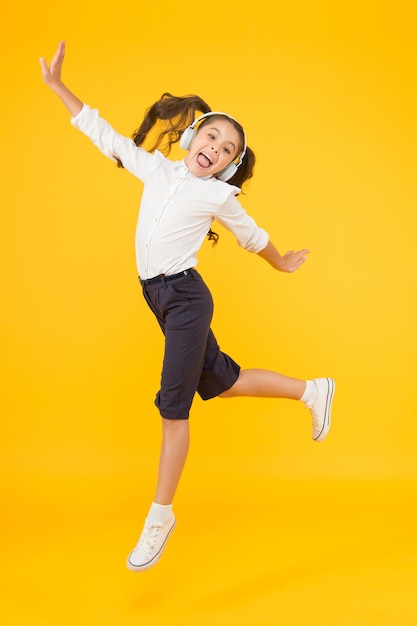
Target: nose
215,149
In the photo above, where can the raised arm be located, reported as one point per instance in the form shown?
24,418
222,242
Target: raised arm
290,262
52,77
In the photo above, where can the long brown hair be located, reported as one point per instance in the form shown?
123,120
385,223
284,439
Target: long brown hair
177,111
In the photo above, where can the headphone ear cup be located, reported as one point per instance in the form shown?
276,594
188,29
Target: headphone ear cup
187,138
229,171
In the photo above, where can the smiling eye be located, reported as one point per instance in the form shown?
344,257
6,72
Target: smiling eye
227,150
212,137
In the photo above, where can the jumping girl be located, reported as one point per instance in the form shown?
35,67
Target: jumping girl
180,200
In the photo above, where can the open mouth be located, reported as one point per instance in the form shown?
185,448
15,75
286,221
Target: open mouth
204,160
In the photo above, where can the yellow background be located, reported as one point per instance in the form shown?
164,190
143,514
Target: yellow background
273,529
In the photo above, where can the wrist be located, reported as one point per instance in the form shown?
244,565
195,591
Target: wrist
57,86
280,264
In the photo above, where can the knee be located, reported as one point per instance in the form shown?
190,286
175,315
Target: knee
174,425
237,389
229,393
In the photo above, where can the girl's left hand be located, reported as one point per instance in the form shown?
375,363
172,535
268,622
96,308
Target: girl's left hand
292,261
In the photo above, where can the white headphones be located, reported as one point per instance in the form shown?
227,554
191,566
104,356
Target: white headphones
189,134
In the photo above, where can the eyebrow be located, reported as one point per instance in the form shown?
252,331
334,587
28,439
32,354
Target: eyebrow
216,129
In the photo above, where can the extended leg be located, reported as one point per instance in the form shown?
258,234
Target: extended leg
174,450
161,520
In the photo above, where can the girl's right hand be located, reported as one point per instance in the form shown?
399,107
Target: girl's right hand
52,74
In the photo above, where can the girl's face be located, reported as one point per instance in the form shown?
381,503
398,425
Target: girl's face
215,145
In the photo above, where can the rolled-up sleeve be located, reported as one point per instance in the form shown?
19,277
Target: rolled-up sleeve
135,159
249,235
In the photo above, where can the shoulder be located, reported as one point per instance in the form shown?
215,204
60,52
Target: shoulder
228,190
220,190
155,161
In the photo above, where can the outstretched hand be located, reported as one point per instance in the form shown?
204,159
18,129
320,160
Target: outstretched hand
292,261
289,262
52,74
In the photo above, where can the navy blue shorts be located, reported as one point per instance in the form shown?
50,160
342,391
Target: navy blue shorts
193,361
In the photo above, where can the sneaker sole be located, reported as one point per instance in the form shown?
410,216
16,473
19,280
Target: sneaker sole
327,416
154,561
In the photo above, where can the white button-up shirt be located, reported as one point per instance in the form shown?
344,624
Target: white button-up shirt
177,208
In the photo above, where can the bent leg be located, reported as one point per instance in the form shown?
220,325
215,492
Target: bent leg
316,394
261,383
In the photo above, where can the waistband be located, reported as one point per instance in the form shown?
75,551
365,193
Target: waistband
163,278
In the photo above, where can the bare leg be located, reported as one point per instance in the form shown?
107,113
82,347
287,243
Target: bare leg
174,450
161,521
265,384
175,433
175,444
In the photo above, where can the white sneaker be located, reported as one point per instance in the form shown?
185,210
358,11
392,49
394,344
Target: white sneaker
321,407
151,544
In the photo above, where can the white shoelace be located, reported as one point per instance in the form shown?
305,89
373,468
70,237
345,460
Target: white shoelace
316,420
148,537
